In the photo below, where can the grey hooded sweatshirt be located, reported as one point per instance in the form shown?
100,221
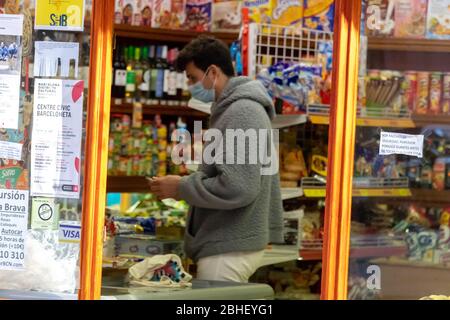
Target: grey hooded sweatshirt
233,207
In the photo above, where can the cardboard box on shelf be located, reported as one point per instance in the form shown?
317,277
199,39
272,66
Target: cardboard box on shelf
142,15
438,19
198,15
226,16
410,18
124,11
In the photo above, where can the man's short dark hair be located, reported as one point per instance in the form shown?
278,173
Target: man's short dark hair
205,51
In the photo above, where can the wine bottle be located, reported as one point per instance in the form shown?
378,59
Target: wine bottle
119,77
130,88
139,71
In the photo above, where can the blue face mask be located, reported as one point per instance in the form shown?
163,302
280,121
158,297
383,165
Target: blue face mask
199,92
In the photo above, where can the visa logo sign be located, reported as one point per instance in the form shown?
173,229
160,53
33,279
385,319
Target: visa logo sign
70,232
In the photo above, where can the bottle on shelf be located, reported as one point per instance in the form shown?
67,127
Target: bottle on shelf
185,95
119,77
160,69
164,58
145,84
130,88
139,71
153,76
173,99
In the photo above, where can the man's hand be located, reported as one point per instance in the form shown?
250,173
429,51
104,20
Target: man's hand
165,187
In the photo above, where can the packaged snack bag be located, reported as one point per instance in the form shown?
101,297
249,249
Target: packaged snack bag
226,16
439,174
161,16
410,18
260,11
198,15
380,18
319,15
287,12
438,19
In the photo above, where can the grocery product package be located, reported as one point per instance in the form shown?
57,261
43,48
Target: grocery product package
380,18
287,13
319,15
438,19
124,11
410,18
168,14
143,13
161,271
226,16
198,15
260,11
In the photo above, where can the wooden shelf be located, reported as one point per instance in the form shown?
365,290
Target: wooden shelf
127,184
416,121
428,120
358,252
166,35
161,110
409,45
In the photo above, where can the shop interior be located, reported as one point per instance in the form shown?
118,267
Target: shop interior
400,214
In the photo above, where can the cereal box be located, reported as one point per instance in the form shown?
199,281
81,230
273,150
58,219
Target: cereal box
287,12
319,15
124,11
260,11
143,13
410,18
380,18
438,19
226,16
198,15
161,16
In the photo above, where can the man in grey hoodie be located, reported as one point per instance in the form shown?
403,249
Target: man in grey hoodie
235,210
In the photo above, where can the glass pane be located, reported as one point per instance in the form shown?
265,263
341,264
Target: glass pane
400,226
44,81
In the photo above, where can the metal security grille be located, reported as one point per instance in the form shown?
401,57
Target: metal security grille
269,44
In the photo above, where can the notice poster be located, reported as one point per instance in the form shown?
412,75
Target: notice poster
10,150
56,138
11,30
401,143
13,228
56,59
60,15
44,214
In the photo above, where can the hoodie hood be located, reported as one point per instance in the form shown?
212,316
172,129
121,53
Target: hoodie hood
239,88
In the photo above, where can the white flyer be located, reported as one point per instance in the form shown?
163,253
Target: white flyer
56,59
10,150
11,31
401,143
13,228
56,138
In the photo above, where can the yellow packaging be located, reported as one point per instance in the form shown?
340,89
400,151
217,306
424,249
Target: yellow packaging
287,12
260,11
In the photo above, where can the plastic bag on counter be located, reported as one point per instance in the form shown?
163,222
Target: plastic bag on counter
160,271
50,266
